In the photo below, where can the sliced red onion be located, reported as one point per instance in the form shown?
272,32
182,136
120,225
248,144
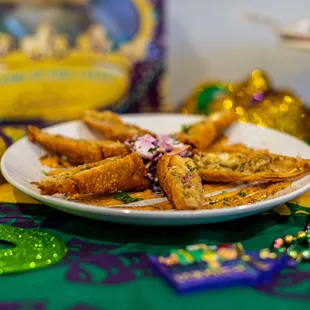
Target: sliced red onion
150,149
146,146
168,143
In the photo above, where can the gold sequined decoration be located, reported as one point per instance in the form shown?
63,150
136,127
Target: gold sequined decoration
256,101
31,249
282,111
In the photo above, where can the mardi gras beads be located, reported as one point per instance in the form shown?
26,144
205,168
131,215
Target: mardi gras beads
297,247
29,249
289,239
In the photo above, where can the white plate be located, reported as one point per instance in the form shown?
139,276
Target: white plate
20,165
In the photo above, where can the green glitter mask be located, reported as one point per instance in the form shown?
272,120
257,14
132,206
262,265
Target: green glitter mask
32,249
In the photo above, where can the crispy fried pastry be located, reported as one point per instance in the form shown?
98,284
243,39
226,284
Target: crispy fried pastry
237,147
122,173
203,133
112,127
248,166
180,181
221,145
77,151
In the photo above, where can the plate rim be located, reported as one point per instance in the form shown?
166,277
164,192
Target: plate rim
155,215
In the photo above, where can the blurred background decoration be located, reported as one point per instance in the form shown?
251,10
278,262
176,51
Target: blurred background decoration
60,58
254,100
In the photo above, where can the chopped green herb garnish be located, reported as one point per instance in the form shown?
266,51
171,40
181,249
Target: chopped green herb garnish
226,198
186,128
195,168
192,169
241,194
125,197
224,192
45,173
152,149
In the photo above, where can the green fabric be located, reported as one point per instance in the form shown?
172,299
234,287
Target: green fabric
107,267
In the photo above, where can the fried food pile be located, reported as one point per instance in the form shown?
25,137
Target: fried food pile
130,158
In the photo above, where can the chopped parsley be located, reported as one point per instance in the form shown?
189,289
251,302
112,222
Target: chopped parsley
192,169
152,149
125,197
45,173
224,192
195,168
241,194
186,128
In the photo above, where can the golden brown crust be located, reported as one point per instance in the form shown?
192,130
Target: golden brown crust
203,133
238,147
222,120
248,166
124,173
182,186
77,151
200,135
221,145
112,127
104,116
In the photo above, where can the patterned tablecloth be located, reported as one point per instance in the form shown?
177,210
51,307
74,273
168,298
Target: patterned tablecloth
107,267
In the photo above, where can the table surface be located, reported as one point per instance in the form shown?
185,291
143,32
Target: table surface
107,267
